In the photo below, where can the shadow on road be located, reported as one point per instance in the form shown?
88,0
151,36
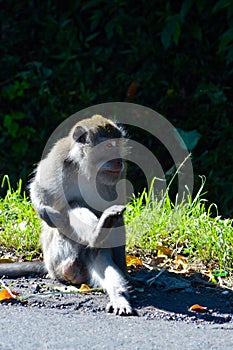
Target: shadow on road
173,294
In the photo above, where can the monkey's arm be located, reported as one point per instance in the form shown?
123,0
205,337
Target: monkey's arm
53,218
46,204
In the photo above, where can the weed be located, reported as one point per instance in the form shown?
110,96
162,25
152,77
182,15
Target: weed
190,226
19,223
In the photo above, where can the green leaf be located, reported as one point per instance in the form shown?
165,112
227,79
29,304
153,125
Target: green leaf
226,39
185,8
190,138
171,31
12,127
220,273
92,36
230,57
166,36
221,5
176,34
10,124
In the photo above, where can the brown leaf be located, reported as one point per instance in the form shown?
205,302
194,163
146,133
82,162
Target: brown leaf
158,260
133,260
6,260
198,308
162,250
181,262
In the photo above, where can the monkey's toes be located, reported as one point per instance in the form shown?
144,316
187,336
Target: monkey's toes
121,309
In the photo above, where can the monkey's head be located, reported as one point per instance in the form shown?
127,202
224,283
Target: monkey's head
98,147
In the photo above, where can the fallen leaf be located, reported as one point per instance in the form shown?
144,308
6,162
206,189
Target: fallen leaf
6,260
84,287
151,308
181,262
133,260
7,294
163,251
198,308
158,260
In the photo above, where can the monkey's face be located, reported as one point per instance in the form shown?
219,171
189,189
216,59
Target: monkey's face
110,163
99,152
106,160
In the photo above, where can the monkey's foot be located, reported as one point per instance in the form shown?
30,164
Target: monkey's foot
111,215
121,307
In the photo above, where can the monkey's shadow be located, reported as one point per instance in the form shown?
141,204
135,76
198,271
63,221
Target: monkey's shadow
171,295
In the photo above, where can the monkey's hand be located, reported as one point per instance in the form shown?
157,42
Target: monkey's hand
88,229
110,216
106,222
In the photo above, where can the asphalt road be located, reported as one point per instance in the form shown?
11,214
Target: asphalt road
44,317
42,329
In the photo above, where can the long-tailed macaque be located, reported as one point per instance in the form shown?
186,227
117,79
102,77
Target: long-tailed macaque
74,192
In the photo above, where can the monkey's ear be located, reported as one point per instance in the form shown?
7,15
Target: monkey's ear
80,134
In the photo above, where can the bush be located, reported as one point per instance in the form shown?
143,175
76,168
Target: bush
171,56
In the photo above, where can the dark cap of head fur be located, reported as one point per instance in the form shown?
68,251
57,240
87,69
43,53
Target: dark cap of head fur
97,123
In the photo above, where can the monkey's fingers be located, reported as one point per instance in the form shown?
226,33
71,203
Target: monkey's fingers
111,215
115,210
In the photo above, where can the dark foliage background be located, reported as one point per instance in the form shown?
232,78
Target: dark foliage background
172,56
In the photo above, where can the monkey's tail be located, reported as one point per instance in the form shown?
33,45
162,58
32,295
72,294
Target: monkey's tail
23,269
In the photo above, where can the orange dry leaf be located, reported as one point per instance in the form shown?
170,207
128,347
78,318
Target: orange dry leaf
198,308
84,287
133,260
7,294
163,251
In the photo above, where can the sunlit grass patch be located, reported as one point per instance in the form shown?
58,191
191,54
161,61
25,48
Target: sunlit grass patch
19,223
191,228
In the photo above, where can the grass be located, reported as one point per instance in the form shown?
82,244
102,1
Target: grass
189,228
19,223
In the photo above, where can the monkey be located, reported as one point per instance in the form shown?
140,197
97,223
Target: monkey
74,191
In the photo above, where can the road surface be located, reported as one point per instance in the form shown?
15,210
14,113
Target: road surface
42,329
